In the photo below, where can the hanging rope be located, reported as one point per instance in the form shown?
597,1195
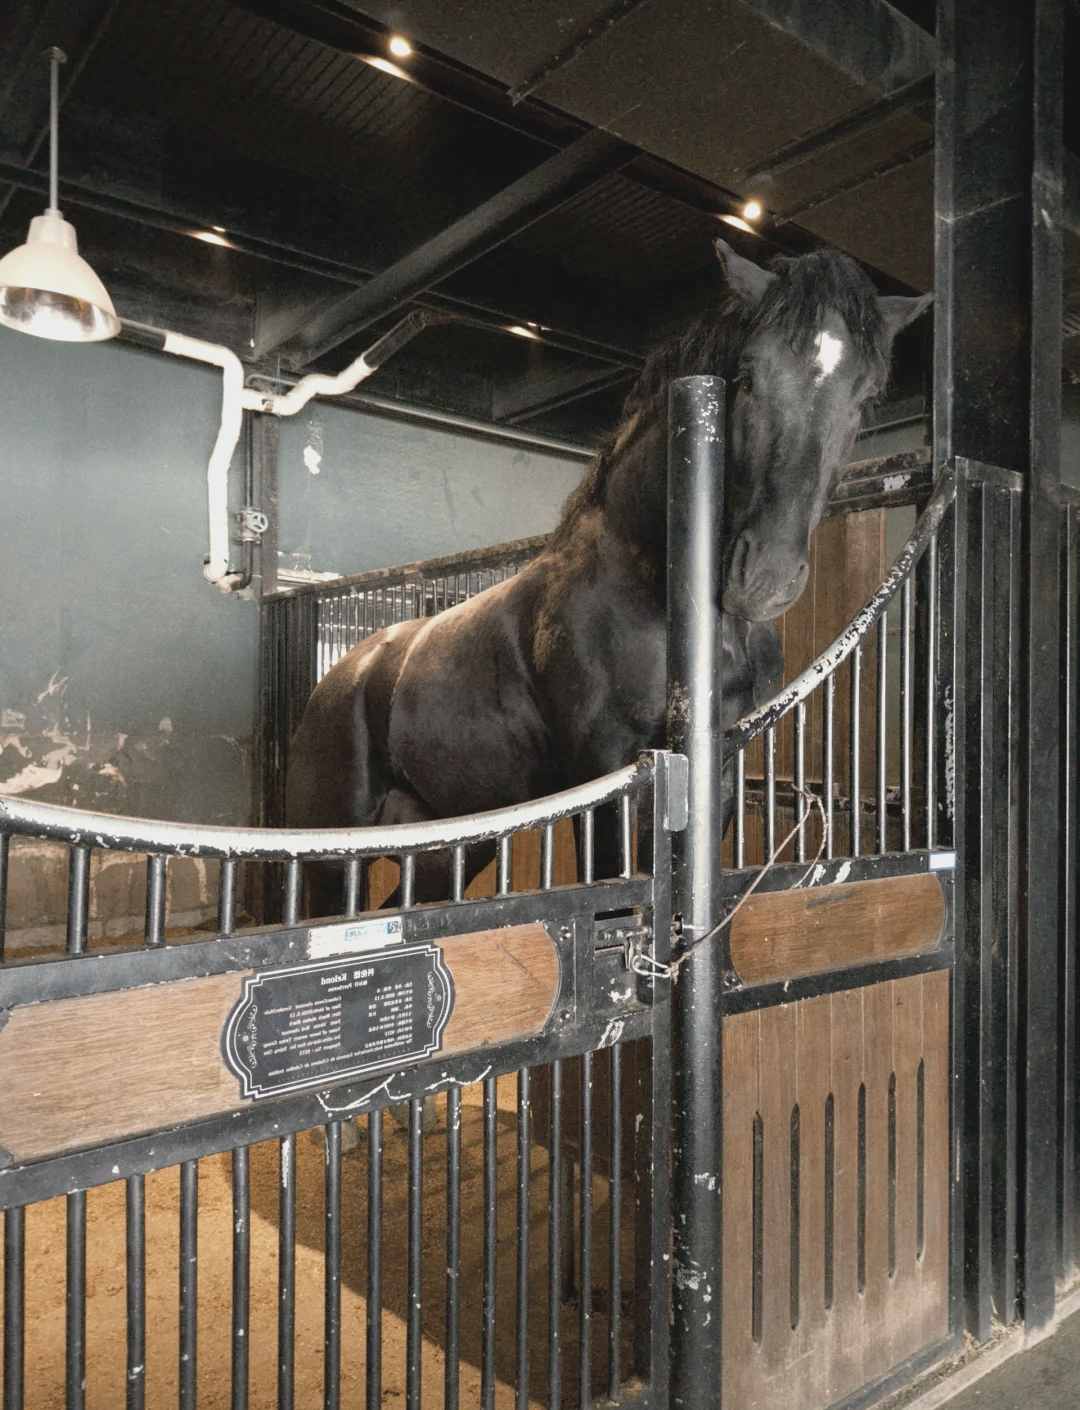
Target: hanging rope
649,968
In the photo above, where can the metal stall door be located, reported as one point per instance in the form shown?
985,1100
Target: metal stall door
832,1232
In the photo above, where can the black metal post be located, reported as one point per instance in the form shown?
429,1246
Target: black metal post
998,211
695,514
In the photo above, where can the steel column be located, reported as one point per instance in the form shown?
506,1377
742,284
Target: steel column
695,514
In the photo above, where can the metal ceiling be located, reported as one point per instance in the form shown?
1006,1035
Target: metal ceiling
264,118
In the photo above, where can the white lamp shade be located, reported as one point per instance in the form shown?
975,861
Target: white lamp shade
47,289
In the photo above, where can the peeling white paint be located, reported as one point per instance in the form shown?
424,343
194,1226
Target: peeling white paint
843,874
950,753
56,685
312,460
166,726
612,1033
895,482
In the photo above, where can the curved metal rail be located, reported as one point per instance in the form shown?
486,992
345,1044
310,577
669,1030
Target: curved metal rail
767,715
120,833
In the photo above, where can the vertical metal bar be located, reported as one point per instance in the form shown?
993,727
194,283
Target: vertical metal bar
588,847
827,766
615,1231
770,792
14,1306
855,752
156,891
695,515
626,854
5,854
75,1386
408,880
906,702
457,872
882,738
189,1283
241,1277
931,689
136,1292
524,1174
78,916
800,777
738,845
414,1343
502,866
555,1218
491,1245
286,1270
290,911
1067,1251
227,896
373,1376
354,871
547,856
585,1309
453,1249
332,1271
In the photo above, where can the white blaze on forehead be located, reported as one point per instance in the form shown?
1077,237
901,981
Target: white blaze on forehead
829,352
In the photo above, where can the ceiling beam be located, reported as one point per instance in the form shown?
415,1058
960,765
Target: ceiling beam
533,196
538,392
866,39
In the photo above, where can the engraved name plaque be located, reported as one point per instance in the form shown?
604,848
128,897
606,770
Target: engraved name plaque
319,1024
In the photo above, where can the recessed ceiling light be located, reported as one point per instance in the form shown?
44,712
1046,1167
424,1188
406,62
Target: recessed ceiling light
399,47
384,65
752,211
219,228
739,224
211,238
523,332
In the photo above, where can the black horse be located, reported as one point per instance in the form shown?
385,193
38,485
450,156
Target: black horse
557,675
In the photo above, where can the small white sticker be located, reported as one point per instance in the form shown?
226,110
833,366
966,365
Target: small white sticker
354,937
942,861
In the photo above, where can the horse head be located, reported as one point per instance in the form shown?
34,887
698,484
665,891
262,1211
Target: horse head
816,349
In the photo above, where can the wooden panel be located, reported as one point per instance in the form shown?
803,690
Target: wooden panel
81,1072
783,934
875,1293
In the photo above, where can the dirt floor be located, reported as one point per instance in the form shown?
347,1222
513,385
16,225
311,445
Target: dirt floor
106,1362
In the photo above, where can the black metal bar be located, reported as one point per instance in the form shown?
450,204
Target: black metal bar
408,880
75,1382
547,856
538,193
800,775
156,892
588,846
14,1306
882,738
615,1231
855,753
136,1292
452,1345
373,1370
503,870
290,910
827,765
739,838
1070,797
241,1277
695,514
332,1271
414,1329
906,703
555,1230
491,1245
585,1308
626,852
770,791
931,693
189,1285
227,896
78,916
5,853
457,868
286,1271
354,875
524,1176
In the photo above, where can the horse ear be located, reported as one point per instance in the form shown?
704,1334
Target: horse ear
747,279
899,312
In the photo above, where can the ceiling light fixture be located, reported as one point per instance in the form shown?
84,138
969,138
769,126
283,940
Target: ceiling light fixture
384,65
523,332
46,288
752,210
399,47
738,223
211,237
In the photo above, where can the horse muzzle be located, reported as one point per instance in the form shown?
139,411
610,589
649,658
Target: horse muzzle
761,586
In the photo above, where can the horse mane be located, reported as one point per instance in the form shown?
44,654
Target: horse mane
713,342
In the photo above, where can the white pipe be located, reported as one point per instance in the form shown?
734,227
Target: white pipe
317,384
234,398
216,569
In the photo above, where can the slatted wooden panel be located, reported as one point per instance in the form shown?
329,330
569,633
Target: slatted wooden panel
836,1191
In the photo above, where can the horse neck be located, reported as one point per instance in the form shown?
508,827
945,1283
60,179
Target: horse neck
635,492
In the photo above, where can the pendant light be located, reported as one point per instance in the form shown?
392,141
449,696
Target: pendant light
46,288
